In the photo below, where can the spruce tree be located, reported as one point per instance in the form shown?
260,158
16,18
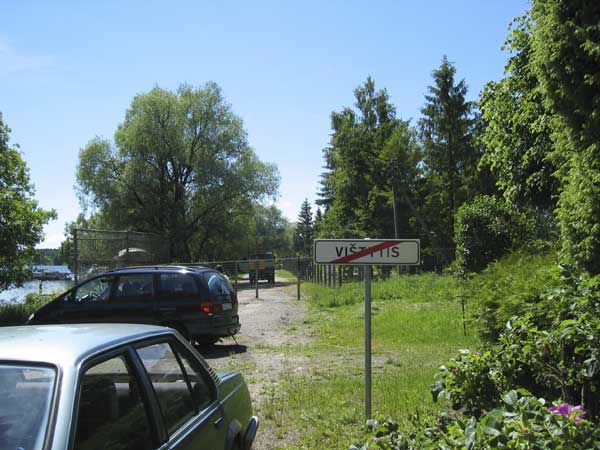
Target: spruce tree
303,236
449,155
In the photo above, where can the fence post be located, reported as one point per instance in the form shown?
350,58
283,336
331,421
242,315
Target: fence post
298,275
340,276
75,256
236,275
256,278
127,248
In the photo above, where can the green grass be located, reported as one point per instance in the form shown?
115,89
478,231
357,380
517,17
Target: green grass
416,325
286,274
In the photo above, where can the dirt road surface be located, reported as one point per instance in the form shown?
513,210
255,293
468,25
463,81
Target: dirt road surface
269,324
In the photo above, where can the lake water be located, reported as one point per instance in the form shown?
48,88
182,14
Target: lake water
17,295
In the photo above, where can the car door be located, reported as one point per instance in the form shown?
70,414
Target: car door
110,410
132,299
88,302
187,396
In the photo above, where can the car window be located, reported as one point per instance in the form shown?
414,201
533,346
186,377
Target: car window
26,394
202,385
138,286
111,413
178,285
171,385
218,286
96,290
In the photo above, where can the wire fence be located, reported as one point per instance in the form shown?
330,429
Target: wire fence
97,251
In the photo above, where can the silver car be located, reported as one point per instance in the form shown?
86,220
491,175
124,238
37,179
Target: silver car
117,386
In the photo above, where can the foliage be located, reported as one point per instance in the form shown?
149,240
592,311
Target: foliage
507,288
356,190
181,166
303,236
449,154
565,59
522,422
12,314
518,132
555,360
485,230
21,220
47,256
273,231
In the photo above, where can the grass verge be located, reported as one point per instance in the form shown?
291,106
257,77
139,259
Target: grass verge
417,326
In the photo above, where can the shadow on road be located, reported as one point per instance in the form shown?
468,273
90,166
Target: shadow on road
241,286
220,351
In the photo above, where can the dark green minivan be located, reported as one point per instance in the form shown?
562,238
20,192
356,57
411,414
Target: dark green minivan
198,302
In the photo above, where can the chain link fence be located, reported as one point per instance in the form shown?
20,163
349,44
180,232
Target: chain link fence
96,251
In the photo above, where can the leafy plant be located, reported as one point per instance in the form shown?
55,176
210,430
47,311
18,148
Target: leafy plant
485,230
522,422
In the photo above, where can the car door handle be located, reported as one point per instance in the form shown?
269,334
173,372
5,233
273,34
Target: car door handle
167,309
218,421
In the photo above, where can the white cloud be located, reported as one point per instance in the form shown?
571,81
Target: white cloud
12,61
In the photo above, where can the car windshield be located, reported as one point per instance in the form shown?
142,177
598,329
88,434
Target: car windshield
25,394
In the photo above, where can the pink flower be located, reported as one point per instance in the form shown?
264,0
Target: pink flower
570,411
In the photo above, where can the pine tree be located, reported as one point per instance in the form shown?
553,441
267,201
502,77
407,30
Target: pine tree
303,236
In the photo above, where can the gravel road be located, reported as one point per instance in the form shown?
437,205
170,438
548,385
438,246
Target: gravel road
269,324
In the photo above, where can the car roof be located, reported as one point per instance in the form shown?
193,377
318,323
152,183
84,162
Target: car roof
65,345
158,268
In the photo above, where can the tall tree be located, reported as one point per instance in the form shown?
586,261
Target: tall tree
566,58
21,219
180,166
303,236
273,231
355,187
448,151
400,161
518,132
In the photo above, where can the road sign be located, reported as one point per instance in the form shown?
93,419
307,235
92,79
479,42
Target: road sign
358,252
367,252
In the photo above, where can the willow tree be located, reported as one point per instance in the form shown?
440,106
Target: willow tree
180,165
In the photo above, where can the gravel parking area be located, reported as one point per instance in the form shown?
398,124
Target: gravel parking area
269,324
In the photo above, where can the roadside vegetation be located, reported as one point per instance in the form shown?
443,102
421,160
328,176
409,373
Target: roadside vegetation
417,325
18,313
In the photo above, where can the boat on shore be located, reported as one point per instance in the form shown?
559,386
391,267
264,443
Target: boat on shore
44,275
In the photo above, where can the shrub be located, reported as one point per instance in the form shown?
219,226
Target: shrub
561,360
17,313
522,422
511,287
486,229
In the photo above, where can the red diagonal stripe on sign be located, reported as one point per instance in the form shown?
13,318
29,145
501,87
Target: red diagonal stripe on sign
365,252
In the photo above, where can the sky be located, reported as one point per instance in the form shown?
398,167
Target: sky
69,70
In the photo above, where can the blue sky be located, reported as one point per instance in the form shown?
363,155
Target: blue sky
68,71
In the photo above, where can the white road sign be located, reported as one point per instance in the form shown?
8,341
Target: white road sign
367,251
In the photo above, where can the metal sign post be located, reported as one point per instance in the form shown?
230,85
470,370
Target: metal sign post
368,342
367,252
